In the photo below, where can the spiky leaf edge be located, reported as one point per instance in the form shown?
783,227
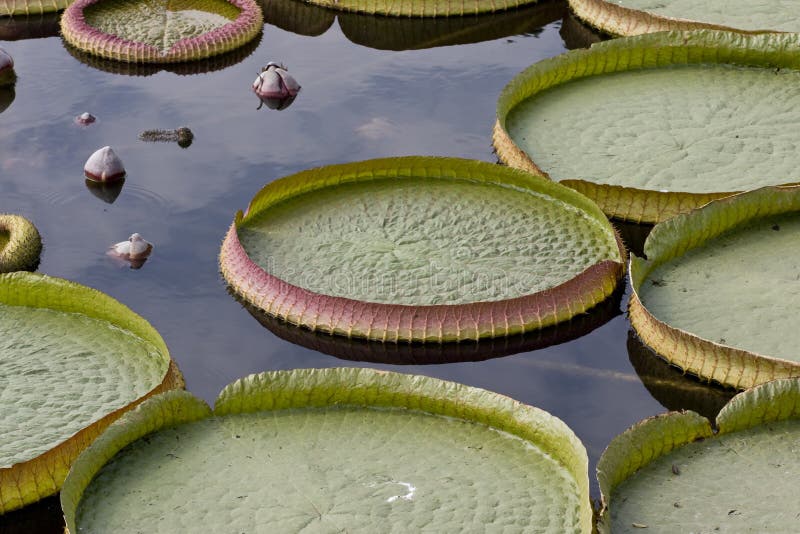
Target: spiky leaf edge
78,33
27,482
671,239
431,323
635,53
319,388
644,442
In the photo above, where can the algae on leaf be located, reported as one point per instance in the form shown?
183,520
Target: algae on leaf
655,125
425,249
333,449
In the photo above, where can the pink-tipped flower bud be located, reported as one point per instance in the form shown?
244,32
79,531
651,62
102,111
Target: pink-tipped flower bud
85,118
104,166
7,75
275,82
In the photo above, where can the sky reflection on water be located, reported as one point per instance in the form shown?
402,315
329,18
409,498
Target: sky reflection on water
356,103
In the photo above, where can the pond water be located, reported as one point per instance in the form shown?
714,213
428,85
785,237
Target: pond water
363,97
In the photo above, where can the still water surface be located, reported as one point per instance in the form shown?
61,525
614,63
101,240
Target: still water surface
363,97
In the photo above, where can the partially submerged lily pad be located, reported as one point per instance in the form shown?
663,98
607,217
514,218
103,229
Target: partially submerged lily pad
160,31
718,293
655,125
635,17
357,450
671,473
20,243
423,249
72,360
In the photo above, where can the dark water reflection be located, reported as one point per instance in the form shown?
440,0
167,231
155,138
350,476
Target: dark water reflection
674,389
356,103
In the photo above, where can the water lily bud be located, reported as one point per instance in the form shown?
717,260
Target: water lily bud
85,118
275,82
135,250
7,75
104,166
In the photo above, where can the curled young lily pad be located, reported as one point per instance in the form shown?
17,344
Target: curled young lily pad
72,360
672,473
20,243
355,450
718,293
655,125
421,249
160,31
635,17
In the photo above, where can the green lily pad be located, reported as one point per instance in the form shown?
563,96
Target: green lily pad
655,125
672,474
332,450
20,243
160,31
718,291
634,17
428,249
71,361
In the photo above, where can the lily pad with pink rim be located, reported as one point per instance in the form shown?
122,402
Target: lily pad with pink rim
421,249
160,31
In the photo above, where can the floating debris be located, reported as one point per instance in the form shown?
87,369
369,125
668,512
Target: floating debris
135,250
275,87
183,136
104,166
85,119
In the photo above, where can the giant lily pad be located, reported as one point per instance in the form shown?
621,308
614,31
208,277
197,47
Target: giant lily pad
355,450
655,125
424,249
71,361
20,243
160,31
634,17
718,293
672,474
